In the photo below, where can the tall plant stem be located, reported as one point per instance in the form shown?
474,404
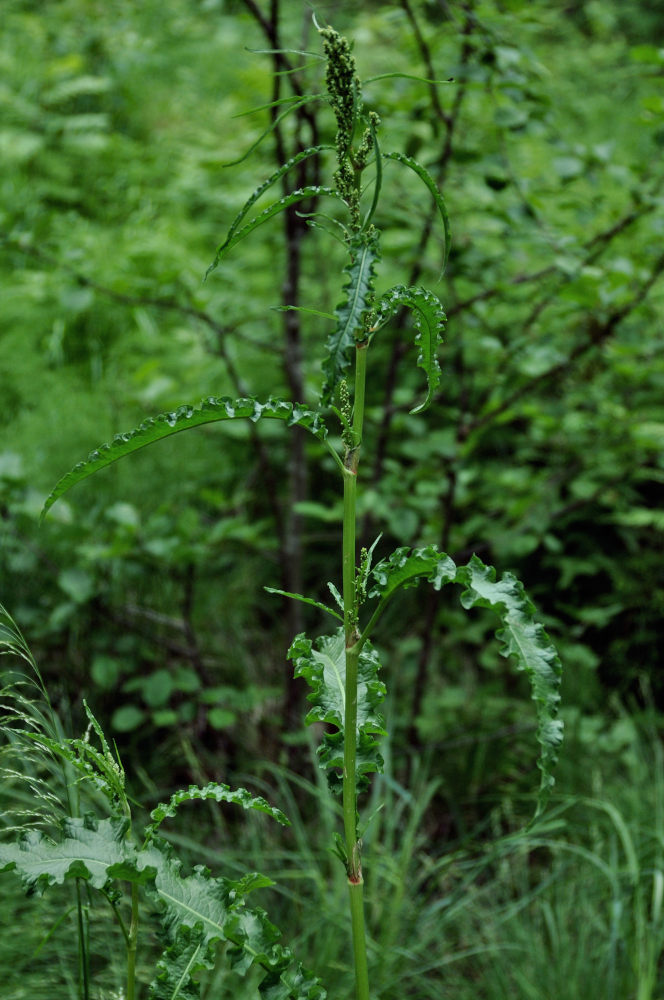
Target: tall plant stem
355,882
132,944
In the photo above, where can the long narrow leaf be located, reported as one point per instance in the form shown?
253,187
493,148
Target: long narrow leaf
265,186
301,194
430,183
207,411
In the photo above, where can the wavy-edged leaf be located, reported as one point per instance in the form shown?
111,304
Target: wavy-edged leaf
95,850
300,194
207,411
216,792
406,567
429,319
323,665
525,639
186,955
260,190
352,312
430,183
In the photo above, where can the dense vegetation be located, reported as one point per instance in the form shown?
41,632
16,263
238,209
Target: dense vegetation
542,453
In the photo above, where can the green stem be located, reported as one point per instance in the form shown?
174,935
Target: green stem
132,944
356,892
351,462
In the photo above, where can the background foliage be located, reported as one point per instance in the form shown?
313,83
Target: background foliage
543,451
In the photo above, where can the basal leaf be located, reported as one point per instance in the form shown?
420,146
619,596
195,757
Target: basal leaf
207,411
95,850
218,793
352,312
429,319
525,639
301,194
323,665
430,183
271,180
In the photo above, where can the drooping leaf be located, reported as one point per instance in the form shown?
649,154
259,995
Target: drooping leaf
525,639
430,183
218,793
429,319
323,665
271,180
207,411
353,310
300,194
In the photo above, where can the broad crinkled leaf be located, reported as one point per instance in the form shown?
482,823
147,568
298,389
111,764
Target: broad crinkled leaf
95,850
198,910
525,639
207,411
352,311
323,665
429,319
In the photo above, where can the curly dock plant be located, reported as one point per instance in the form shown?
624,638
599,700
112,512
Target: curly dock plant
342,667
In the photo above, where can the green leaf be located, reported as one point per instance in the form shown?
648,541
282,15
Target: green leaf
352,312
406,567
305,600
271,180
429,319
295,102
95,850
301,194
525,639
430,183
218,793
207,411
199,910
323,665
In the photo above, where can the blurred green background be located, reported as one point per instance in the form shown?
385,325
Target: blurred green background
543,452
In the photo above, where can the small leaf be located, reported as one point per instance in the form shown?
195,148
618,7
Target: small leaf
429,319
430,183
304,600
352,312
323,665
207,411
525,639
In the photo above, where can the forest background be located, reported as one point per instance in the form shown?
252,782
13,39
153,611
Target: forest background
543,453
